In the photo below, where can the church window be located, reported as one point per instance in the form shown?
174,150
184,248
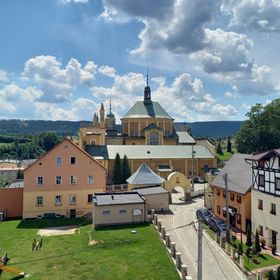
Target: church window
154,138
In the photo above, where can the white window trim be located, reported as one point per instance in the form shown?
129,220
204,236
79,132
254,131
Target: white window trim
74,176
56,161
38,180
70,196
92,182
56,204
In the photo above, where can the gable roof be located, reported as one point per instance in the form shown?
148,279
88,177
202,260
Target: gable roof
148,151
144,175
152,126
150,109
265,155
60,143
239,175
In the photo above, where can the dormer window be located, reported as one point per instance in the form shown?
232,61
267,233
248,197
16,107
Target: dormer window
154,139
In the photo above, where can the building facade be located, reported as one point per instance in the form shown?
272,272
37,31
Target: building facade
61,183
239,192
266,196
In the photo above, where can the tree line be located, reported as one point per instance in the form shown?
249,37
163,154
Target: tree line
121,170
27,146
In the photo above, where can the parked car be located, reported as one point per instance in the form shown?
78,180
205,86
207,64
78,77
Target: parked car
216,224
199,180
203,214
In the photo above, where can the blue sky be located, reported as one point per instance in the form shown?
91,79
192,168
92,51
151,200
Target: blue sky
207,60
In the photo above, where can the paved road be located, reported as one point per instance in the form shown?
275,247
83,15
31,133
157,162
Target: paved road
216,265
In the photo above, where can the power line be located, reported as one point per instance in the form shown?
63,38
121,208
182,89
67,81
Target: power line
182,226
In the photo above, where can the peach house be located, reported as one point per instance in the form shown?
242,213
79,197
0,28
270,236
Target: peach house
61,183
239,192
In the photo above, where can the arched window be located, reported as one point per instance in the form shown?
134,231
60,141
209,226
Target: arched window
154,139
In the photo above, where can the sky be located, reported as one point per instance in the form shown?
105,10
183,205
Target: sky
207,60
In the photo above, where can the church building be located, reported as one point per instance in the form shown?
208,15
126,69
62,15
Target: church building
147,134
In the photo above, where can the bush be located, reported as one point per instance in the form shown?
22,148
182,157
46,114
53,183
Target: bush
263,242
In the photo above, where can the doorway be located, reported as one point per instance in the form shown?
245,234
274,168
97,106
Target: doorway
72,213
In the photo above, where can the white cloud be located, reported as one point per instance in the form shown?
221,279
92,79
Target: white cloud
57,82
3,76
73,1
259,15
107,71
229,94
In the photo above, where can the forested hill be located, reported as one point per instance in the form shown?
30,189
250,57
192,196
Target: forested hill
199,129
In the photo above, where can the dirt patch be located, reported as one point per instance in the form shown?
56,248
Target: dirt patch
52,231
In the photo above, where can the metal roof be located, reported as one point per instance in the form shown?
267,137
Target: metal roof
151,190
143,109
239,175
117,198
185,138
144,175
149,151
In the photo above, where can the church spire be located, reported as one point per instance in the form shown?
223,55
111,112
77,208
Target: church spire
147,91
110,107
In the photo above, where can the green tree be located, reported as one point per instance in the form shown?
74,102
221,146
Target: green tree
248,236
278,273
257,243
261,131
125,169
19,174
47,140
229,146
219,149
271,275
117,170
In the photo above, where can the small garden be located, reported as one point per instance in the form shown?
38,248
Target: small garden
253,250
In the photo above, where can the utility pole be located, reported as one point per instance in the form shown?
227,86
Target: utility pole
192,168
227,210
199,252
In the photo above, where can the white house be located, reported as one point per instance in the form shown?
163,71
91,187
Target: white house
266,196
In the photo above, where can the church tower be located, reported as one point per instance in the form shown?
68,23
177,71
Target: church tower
102,116
110,121
147,91
95,122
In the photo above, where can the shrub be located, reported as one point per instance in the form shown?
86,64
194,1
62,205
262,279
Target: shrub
263,242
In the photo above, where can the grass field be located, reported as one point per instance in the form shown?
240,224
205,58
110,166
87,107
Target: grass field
117,255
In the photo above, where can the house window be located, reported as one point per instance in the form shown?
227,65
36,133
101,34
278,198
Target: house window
224,213
238,198
58,180
218,192
90,179
40,181
218,209
73,160
260,229
261,180
39,201
58,160
224,194
273,209
154,139
106,212
277,182
238,218
58,200
73,179
72,199
232,196
89,198
122,211
260,204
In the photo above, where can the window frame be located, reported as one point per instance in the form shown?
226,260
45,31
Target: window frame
260,230
106,212
56,177
232,196
56,161
239,198
273,209
154,141
260,204
277,179
72,196
75,181
89,201
261,176
122,211
90,182
55,200
42,200
37,181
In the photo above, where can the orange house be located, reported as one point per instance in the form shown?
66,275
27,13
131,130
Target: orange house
239,192
61,183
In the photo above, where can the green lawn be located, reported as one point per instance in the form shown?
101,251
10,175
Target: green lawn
118,254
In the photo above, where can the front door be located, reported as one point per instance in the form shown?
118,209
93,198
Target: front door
274,237
72,213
